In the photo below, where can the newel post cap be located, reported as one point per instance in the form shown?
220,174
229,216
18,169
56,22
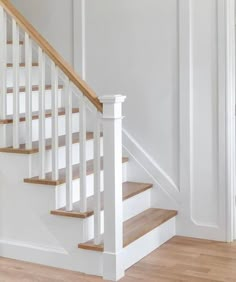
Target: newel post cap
112,99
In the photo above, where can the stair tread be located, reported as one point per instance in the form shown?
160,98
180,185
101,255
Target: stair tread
35,144
35,115
22,65
130,189
62,174
34,88
136,227
10,42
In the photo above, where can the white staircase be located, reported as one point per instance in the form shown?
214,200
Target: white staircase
65,195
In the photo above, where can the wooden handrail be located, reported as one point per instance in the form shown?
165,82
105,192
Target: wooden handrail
51,53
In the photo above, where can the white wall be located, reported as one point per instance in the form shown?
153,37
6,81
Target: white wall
137,48
54,21
132,48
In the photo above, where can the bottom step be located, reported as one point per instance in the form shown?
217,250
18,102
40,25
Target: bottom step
137,227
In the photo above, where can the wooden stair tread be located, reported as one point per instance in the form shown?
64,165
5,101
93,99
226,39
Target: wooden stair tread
62,174
34,88
35,115
130,189
22,65
136,227
10,42
35,144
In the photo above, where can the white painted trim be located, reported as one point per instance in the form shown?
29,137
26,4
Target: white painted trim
153,169
230,115
187,225
34,246
226,91
221,15
53,256
113,206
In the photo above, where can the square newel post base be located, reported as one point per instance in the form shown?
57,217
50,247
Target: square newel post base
113,268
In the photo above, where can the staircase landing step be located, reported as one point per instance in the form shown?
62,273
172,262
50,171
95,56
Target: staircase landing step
35,115
136,227
130,189
35,144
62,174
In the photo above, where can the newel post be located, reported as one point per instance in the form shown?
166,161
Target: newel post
113,268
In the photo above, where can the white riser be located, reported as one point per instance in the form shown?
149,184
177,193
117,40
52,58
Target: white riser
9,53
48,133
136,205
35,101
34,75
61,190
62,157
131,207
28,231
148,243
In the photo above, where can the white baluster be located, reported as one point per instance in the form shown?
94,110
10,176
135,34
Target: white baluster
113,268
16,102
41,58
3,62
69,168
3,73
83,165
28,90
54,78
97,180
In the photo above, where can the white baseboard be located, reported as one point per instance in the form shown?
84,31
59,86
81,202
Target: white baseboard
58,257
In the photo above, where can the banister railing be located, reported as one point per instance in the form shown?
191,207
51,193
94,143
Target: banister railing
102,116
51,53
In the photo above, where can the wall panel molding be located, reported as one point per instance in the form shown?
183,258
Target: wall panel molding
226,47
223,69
79,40
185,103
188,223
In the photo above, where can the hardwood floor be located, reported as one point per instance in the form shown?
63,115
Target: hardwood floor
180,259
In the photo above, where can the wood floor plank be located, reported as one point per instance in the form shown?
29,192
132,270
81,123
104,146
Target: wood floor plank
137,227
130,189
164,264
